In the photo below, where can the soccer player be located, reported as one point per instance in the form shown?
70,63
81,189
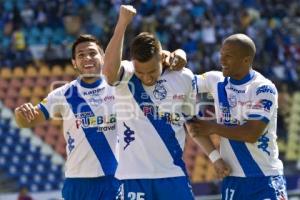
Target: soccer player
246,110
152,106
89,125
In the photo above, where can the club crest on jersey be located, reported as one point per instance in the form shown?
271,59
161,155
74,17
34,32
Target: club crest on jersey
232,100
160,91
226,117
128,136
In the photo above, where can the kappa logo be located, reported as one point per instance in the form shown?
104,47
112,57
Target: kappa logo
264,143
94,92
70,142
160,91
128,135
237,90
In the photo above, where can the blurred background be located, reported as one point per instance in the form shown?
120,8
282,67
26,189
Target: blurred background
35,50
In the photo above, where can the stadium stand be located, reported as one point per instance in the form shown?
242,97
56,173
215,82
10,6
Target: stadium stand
25,159
35,52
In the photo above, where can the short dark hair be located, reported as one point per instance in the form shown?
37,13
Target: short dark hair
86,38
144,47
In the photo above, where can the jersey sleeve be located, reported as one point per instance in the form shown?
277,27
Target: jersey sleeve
52,104
127,70
265,103
189,108
204,83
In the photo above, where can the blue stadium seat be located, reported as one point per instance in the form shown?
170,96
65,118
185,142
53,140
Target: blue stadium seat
25,162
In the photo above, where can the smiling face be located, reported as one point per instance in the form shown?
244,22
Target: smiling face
231,60
235,63
237,55
88,60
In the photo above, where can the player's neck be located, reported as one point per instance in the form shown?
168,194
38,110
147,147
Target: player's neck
89,82
242,78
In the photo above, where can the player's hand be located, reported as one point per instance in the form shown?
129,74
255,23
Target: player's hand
27,111
174,61
199,127
127,12
221,168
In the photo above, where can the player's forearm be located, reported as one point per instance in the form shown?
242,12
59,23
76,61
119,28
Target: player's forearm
113,54
205,143
248,132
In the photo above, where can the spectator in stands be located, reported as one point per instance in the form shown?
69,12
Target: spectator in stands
23,194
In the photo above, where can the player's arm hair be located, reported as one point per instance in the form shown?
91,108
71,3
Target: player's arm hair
23,123
248,132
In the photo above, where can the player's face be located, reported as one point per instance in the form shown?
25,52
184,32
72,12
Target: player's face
148,72
88,60
232,61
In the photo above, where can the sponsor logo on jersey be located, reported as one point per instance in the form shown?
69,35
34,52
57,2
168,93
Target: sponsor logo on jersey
89,120
160,91
236,90
179,97
264,104
128,135
109,98
94,92
171,118
265,89
95,101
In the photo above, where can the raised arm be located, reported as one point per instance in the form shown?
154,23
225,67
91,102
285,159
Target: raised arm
113,52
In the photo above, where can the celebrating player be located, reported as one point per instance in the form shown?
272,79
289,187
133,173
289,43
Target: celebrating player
246,109
152,106
89,125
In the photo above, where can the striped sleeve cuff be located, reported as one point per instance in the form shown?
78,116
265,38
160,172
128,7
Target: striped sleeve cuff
44,110
258,117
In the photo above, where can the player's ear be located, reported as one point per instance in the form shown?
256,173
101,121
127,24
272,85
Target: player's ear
74,64
247,60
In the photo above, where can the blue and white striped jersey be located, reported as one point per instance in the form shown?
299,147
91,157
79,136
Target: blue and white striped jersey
150,124
252,98
89,126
